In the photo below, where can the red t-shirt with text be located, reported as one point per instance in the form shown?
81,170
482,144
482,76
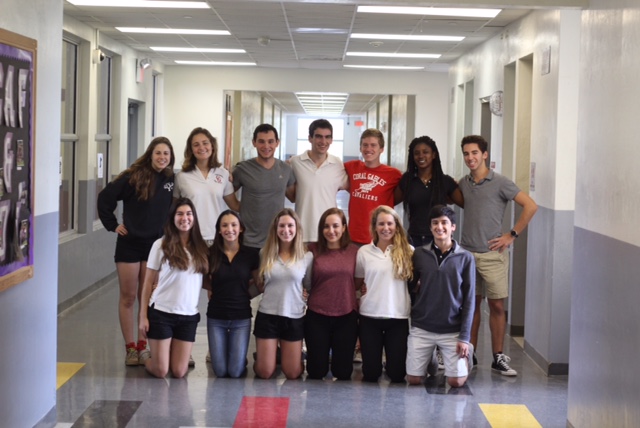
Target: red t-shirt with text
368,188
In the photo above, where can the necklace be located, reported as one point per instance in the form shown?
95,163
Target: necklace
426,182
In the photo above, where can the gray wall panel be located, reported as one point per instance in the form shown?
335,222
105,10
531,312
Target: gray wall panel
604,384
28,334
84,262
548,294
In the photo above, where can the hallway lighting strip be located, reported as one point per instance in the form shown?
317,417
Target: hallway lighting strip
231,63
142,4
406,37
393,55
385,67
322,102
196,50
172,31
432,11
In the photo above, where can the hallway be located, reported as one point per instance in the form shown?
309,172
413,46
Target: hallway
104,392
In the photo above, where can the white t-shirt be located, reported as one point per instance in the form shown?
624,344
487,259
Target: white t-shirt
316,190
178,291
387,296
206,194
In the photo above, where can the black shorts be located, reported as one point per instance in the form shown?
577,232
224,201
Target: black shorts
163,325
132,250
276,327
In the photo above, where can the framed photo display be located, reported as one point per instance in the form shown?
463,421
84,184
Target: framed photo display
17,145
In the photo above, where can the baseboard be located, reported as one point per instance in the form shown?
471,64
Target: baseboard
515,330
49,420
550,369
86,292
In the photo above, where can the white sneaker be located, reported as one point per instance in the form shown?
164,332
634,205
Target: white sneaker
440,359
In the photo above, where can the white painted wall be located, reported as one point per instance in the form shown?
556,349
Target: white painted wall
28,318
194,96
554,98
607,191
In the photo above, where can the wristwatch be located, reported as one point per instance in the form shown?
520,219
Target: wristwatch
514,233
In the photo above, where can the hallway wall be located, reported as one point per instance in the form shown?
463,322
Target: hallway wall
28,315
554,107
186,88
604,385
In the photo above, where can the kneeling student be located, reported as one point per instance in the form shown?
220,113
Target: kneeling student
442,311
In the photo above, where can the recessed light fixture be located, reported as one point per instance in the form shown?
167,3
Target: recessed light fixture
406,37
172,31
311,30
197,50
385,67
322,102
393,55
142,3
215,63
432,11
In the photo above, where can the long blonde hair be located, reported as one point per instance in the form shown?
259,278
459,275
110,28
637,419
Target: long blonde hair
269,253
401,252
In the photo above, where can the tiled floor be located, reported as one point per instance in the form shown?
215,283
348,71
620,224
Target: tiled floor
105,393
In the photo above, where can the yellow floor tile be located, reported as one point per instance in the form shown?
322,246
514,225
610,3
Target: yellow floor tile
66,372
509,415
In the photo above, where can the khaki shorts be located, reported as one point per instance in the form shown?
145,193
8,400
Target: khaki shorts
492,274
420,346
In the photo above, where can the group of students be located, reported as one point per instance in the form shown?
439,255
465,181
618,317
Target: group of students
309,289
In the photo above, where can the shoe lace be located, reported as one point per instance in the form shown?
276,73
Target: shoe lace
503,361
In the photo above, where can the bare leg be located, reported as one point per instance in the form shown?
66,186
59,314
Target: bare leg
158,364
128,276
180,353
291,357
497,323
415,380
475,326
265,364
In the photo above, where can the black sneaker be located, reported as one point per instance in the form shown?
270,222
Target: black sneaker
501,365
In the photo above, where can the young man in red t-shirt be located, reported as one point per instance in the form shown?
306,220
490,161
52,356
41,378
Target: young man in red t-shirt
371,184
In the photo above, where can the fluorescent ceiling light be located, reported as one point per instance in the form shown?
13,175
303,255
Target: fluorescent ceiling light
322,93
172,31
385,67
142,3
393,55
406,37
432,11
311,30
215,63
323,98
197,50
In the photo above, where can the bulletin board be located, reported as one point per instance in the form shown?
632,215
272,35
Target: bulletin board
17,147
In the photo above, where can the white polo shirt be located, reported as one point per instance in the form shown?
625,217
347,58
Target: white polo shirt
386,296
178,291
206,194
316,189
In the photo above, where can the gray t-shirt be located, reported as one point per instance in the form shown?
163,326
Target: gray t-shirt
262,196
283,288
484,207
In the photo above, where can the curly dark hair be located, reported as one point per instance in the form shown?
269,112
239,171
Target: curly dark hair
438,192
